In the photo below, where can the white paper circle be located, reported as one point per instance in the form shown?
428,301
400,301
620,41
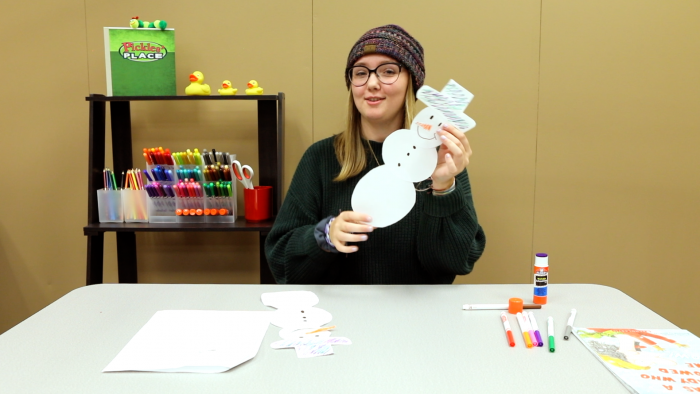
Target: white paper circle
384,196
402,152
302,317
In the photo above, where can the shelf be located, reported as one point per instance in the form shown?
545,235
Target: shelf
261,97
239,225
270,114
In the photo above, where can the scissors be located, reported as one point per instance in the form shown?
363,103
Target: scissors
243,173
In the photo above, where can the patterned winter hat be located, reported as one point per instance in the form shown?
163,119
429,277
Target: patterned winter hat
391,40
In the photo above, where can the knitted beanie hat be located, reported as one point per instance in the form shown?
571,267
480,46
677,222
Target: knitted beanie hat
391,40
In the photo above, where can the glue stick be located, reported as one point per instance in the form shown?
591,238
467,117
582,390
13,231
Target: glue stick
541,278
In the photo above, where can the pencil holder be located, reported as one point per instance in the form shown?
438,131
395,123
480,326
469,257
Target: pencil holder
190,209
135,206
109,205
162,210
258,203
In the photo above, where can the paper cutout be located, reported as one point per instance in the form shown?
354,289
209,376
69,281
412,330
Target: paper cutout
306,348
300,317
297,317
193,341
384,196
450,101
386,193
402,153
301,333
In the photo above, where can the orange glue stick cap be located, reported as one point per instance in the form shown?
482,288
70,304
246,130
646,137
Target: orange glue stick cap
178,212
206,212
185,211
223,211
515,305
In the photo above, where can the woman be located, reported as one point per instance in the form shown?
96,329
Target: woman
317,238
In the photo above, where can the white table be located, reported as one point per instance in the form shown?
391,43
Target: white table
406,339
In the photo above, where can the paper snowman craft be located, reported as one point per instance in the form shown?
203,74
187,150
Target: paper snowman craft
297,317
386,193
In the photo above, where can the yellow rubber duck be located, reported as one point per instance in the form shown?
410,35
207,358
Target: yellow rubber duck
227,89
197,87
253,88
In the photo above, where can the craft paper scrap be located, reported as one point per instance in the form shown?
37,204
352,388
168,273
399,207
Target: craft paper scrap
307,348
647,360
193,341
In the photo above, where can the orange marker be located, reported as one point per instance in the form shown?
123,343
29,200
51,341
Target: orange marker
223,211
193,212
185,211
206,212
321,329
178,212
200,212
213,212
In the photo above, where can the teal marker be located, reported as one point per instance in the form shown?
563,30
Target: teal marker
550,332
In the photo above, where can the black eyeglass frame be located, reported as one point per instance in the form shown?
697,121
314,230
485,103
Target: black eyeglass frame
349,75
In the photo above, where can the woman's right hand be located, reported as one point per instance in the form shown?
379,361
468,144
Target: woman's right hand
349,226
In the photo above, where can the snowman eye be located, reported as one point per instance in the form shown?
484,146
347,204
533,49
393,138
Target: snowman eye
414,147
408,154
439,124
399,164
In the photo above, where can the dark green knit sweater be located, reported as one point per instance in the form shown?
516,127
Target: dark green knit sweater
438,239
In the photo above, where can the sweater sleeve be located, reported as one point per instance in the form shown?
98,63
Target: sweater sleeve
291,247
451,239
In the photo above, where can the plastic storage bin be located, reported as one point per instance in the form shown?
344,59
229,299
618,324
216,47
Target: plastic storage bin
109,205
134,203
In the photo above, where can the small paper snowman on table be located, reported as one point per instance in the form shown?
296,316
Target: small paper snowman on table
386,193
298,318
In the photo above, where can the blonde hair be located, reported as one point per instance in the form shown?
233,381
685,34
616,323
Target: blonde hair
349,148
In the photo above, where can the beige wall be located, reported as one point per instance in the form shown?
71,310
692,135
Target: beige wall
587,115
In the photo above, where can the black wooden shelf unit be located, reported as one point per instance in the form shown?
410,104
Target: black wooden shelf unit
268,172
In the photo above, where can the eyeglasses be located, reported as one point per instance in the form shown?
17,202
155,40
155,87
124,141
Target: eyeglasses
387,74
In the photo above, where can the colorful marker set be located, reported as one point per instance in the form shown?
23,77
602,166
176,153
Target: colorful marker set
158,155
159,173
215,172
110,183
204,158
200,212
528,327
218,189
190,174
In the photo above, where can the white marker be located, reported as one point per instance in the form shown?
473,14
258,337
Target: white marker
570,324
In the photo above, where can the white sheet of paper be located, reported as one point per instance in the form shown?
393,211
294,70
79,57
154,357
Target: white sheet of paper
284,299
193,341
384,196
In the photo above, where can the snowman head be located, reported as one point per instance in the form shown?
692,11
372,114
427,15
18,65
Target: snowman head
428,122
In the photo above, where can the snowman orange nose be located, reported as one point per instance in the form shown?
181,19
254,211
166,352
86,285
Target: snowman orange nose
425,126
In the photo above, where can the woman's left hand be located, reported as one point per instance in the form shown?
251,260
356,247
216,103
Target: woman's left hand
453,156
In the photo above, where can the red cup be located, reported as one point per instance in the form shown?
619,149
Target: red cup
258,203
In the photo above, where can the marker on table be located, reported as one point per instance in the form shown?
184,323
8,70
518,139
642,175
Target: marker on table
497,306
509,332
533,322
550,333
523,329
530,332
570,324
